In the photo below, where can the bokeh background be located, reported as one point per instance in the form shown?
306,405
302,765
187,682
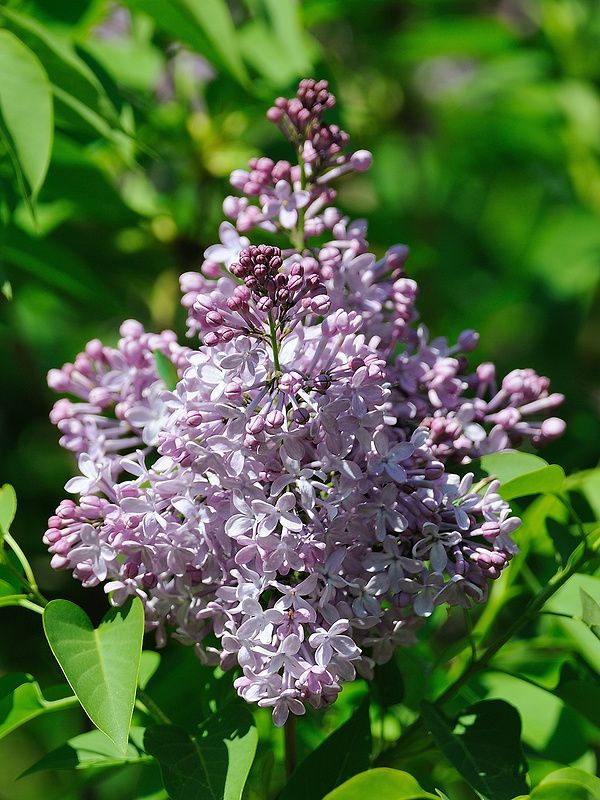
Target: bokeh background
484,122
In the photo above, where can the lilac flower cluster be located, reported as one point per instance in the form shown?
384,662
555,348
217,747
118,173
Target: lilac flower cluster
289,504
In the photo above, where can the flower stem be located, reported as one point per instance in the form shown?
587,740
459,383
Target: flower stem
273,333
152,708
291,748
30,582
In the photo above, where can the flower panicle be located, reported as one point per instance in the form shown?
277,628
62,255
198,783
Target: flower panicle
291,506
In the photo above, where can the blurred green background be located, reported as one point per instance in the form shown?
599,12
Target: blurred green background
484,122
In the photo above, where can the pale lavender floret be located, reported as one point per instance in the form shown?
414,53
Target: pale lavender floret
284,204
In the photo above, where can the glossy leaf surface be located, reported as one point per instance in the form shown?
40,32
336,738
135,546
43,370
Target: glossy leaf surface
92,749
343,754
26,112
381,784
214,764
102,664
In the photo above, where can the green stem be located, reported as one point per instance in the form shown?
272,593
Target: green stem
152,708
20,600
470,637
31,583
274,343
417,730
291,746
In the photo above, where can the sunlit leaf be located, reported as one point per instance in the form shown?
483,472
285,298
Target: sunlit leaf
21,699
8,507
590,612
102,664
66,70
149,663
343,754
26,117
92,750
507,466
381,784
205,25
542,481
567,784
214,764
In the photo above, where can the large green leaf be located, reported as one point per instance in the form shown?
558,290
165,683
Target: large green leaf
547,480
343,754
567,784
214,764
381,784
567,600
506,466
484,744
26,117
21,699
590,612
8,507
92,749
66,70
205,25
102,664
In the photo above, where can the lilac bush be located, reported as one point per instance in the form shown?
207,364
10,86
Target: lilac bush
290,503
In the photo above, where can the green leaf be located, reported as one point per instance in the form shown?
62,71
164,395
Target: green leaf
21,699
590,612
166,370
484,744
343,754
102,664
547,480
8,508
567,600
567,784
288,31
381,784
26,112
92,749
506,466
149,663
205,25
581,696
214,764
66,70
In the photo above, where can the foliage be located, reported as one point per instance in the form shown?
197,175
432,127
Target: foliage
116,140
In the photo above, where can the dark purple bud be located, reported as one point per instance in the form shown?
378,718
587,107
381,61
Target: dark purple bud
214,318
264,304
211,339
301,416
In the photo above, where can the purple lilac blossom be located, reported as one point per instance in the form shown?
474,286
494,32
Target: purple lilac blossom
291,507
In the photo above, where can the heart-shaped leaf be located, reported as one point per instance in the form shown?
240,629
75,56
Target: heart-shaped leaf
507,466
21,700
214,764
382,783
91,750
567,784
102,665
542,481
